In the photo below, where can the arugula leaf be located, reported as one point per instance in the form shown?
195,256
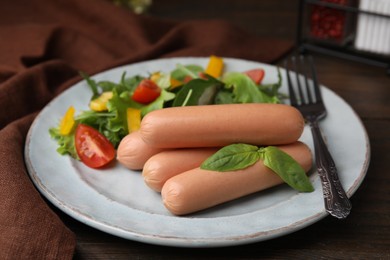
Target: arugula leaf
99,121
92,84
129,83
116,127
125,84
112,124
232,157
94,119
245,90
106,85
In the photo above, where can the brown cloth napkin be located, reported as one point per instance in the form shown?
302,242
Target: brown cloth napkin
43,46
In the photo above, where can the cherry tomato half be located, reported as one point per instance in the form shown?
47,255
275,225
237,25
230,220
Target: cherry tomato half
146,92
93,148
256,75
188,78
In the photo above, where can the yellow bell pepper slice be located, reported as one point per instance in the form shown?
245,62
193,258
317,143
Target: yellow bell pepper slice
100,104
215,66
133,119
175,83
67,122
155,76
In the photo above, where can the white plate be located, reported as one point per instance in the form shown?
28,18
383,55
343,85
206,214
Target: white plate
116,200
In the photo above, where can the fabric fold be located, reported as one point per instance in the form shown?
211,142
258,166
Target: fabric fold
30,230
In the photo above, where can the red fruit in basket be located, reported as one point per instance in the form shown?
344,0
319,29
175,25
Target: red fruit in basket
326,22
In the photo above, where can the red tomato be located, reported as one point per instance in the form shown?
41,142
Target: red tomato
146,92
93,148
256,75
188,78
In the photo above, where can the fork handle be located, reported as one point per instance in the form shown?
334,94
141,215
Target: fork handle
335,198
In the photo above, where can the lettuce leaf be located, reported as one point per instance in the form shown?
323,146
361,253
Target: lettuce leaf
65,143
159,103
245,90
188,70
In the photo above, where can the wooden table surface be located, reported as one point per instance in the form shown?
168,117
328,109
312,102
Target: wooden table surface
365,234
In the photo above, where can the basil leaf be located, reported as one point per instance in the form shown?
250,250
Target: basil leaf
287,168
232,157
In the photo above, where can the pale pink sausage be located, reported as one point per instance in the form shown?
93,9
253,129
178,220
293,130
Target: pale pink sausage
199,189
133,152
166,164
221,125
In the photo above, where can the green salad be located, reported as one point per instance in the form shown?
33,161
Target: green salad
117,108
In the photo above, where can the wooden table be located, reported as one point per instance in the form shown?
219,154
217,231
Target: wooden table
365,234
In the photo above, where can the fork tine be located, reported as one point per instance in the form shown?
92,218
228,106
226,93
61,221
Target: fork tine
317,91
303,62
297,70
293,99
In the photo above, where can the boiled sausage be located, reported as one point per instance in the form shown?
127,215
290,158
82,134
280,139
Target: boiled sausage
199,189
221,125
166,164
133,152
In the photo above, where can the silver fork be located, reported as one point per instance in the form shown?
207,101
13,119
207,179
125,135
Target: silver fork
308,100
